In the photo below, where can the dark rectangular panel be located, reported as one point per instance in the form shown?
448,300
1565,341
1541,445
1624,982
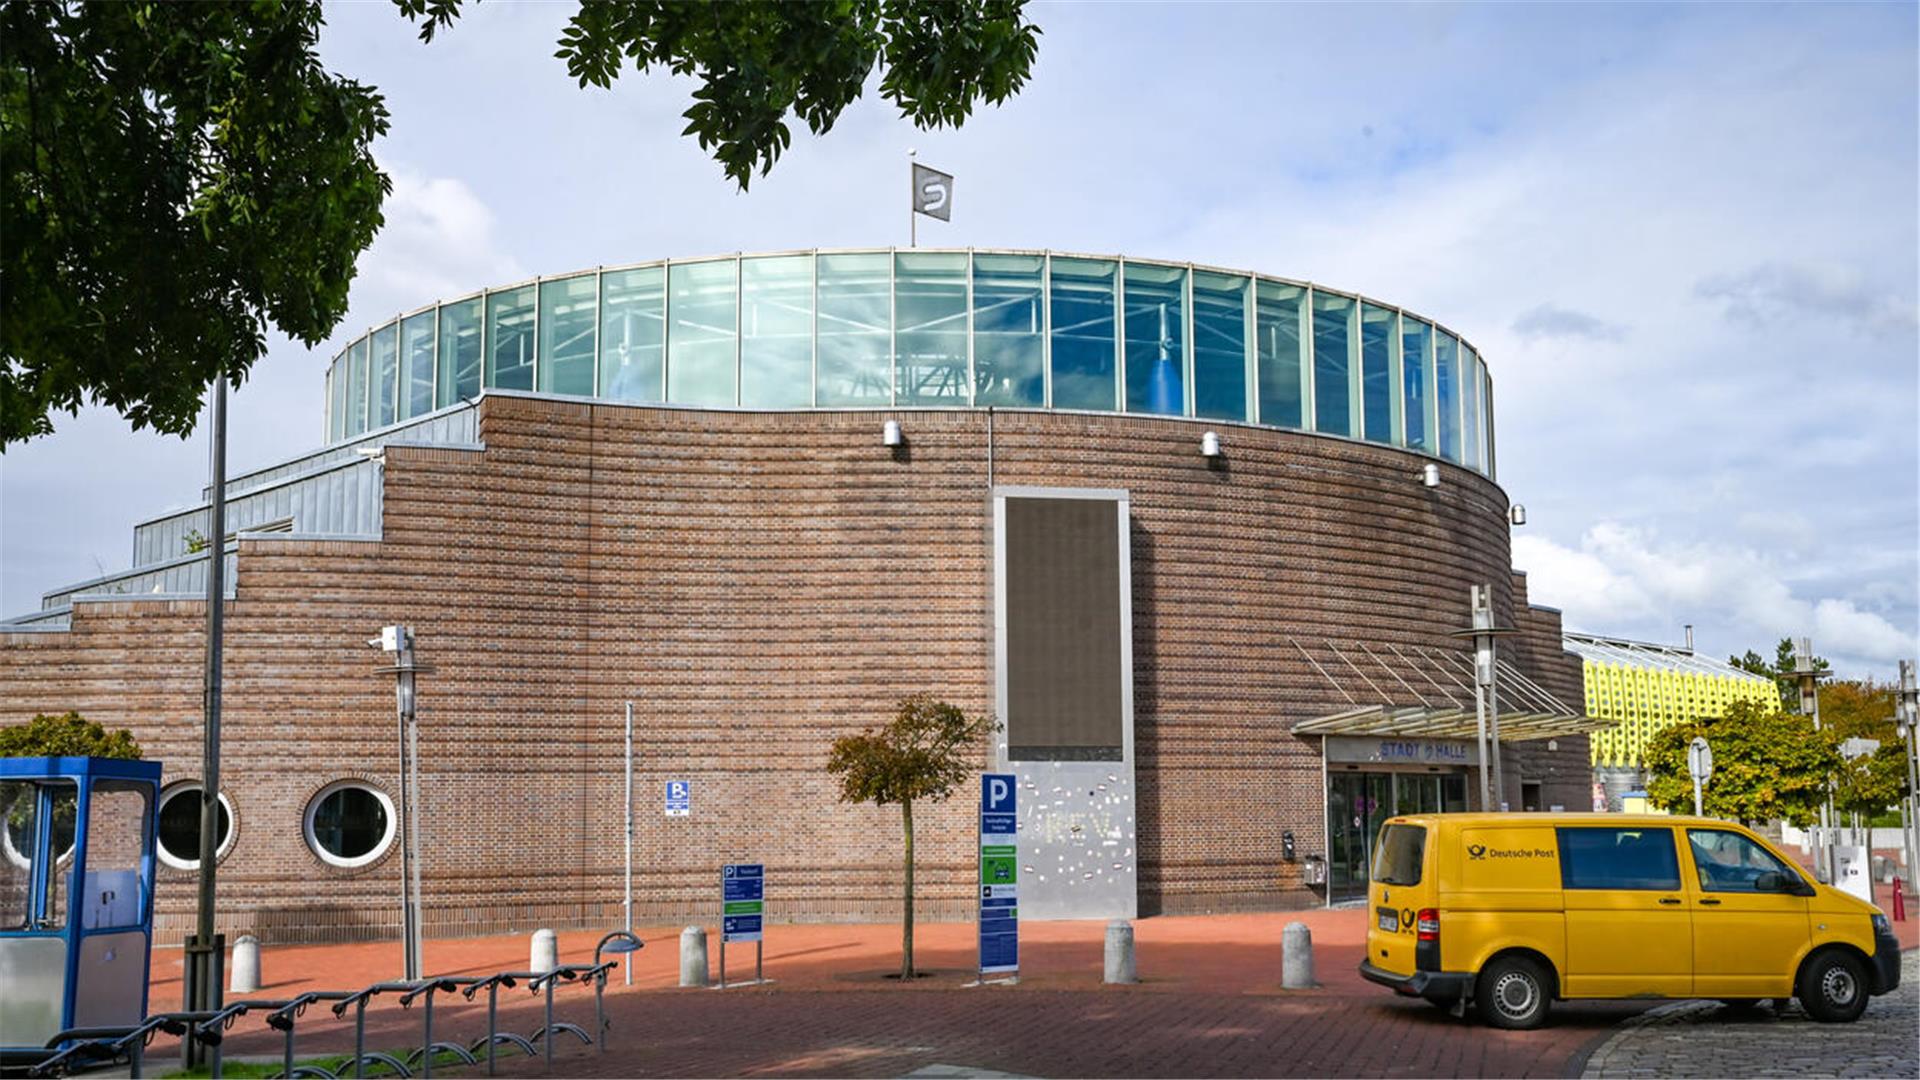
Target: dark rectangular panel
1064,665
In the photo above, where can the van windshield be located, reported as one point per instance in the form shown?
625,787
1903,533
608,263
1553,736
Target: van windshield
1402,851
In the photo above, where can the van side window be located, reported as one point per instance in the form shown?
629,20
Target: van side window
1618,859
1729,862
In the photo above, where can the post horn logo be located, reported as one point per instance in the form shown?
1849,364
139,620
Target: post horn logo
1477,851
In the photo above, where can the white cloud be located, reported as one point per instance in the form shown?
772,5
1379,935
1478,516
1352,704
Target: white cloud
1627,581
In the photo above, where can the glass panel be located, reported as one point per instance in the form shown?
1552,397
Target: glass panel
1155,328
459,377
28,806
700,341
1007,330
1219,346
1641,858
632,334
416,365
1416,338
386,369
1376,381
20,803
510,345
1469,408
114,892
776,332
855,335
930,328
1085,334
357,388
1277,336
568,316
1486,424
1446,366
337,421
1333,348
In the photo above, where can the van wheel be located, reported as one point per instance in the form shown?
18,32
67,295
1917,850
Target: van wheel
1512,994
1833,987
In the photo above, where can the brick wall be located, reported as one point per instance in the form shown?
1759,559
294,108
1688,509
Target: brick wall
756,584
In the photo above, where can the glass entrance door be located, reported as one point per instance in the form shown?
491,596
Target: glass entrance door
1358,803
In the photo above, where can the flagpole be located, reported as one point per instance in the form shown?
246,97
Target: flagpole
913,223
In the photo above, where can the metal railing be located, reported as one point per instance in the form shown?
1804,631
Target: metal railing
87,1047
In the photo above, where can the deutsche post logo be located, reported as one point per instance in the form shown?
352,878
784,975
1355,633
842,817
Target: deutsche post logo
1406,920
1477,851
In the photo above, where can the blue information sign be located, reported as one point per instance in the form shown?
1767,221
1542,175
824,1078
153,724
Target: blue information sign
742,901
679,798
999,875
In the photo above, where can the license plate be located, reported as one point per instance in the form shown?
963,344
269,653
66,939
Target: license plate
1389,920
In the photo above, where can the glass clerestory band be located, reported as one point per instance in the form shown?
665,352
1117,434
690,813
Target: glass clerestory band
924,327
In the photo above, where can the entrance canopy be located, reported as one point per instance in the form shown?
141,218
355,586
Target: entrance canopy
1415,691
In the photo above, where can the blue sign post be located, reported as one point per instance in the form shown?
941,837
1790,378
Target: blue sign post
679,798
999,876
743,907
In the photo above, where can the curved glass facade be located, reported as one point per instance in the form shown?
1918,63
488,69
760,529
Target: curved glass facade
929,327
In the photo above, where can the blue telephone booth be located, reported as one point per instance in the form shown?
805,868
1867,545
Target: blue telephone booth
76,896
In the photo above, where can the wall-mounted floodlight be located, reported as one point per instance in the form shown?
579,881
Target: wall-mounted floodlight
1210,445
890,434
1430,475
1517,514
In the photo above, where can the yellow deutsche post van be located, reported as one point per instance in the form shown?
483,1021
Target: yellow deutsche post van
1507,912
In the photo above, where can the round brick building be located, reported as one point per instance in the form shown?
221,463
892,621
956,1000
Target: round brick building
1201,539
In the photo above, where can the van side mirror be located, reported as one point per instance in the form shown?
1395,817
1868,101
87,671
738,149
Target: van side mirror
1773,881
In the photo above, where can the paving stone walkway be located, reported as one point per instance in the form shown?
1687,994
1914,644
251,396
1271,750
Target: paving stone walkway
1697,1038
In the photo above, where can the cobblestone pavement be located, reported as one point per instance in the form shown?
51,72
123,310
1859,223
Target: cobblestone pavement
1696,1038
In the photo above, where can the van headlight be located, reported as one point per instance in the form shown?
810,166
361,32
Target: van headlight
1882,926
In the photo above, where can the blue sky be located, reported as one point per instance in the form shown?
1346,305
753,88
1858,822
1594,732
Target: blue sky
1684,238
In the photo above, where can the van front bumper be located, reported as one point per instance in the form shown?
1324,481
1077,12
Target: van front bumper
1886,957
1440,985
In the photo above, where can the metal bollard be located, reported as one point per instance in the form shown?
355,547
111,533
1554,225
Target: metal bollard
545,953
1296,957
693,956
1120,967
246,966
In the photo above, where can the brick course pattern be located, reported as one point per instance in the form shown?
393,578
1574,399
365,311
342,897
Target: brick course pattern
757,584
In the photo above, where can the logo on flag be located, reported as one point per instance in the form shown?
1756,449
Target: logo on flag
932,192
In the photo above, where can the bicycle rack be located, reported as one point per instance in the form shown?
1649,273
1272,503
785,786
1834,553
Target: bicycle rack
282,1019
424,1056
86,1046
547,981
361,1055
495,1036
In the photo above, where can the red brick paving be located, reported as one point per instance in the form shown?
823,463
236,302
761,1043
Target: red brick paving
1210,1005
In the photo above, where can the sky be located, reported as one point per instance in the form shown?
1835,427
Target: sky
1685,238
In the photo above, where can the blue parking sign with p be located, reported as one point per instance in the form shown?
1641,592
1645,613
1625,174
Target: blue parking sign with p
679,798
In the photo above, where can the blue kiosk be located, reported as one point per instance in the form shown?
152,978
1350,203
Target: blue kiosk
76,896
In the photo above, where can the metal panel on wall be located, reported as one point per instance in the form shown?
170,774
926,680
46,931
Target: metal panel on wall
1063,687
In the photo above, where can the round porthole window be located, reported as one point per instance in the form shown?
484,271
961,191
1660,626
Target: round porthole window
180,826
349,823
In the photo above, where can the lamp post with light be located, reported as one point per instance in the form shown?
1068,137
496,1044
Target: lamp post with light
1807,677
397,642
1486,693
1909,730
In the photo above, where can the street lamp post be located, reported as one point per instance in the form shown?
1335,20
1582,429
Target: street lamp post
206,950
397,641
1808,679
1486,693
1909,729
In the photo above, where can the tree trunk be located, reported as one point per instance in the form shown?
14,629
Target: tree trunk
906,918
